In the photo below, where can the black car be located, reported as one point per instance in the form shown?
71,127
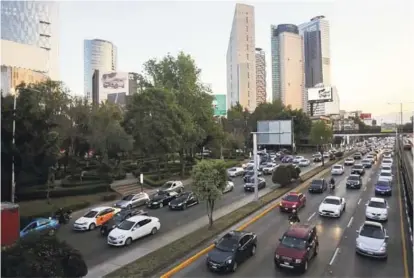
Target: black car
317,158
249,185
367,163
231,250
357,156
354,181
318,186
161,199
183,201
358,169
118,218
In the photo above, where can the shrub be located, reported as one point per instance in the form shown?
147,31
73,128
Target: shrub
42,256
109,197
282,175
119,174
339,154
294,171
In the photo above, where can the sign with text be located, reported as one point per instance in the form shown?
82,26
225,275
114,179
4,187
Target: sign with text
320,95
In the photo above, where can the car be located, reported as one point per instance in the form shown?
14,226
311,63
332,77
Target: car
250,174
235,171
318,186
248,164
298,245
377,209
349,162
304,162
385,176
172,186
317,157
326,155
372,157
133,200
337,169
358,169
366,163
297,159
229,187
332,206
124,214
41,225
287,159
291,201
386,169
354,181
94,218
372,240
269,168
249,185
132,229
386,162
387,155
183,201
383,187
357,156
161,198
231,250
262,165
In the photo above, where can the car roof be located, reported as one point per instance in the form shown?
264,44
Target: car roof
358,164
349,158
100,208
379,200
338,165
235,234
138,218
299,230
293,193
372,223
320,179
354,175
41,219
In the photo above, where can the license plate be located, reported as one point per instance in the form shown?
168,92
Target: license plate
370,253
286,209
382,192
213,266
286,263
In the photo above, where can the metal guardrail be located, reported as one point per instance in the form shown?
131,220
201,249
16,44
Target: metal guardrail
407,174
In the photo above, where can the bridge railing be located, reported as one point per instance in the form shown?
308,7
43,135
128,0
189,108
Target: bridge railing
373,130
407,173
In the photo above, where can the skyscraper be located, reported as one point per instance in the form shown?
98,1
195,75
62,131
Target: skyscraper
260,76
241,60
287,65
98,55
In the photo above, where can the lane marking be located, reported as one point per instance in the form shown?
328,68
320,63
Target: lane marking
310,217
350,222
359,201
365,188
334,256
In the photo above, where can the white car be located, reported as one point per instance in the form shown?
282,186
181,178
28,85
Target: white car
377,209
332,206
297,159
304,162
372,240
387,155
349,162
229,187
386,162
94,218
386,169
269,168
337,169
133,228
385,176
235,171
326,155
248,164
172,186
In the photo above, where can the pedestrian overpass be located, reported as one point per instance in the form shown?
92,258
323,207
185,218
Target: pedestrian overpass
347,135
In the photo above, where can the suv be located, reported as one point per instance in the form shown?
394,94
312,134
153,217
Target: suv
354,181
318,186
357,156
297,247
358,169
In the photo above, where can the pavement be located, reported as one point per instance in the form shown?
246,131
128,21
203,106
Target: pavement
101,258
336,256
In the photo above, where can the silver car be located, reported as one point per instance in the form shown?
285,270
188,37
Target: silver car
372,240
133,200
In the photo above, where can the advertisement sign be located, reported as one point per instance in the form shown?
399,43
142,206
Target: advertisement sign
280,132
365,116
113,86
388,128
220,105
320,95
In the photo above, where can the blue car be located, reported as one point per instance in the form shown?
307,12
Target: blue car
287,159
41,225
383,187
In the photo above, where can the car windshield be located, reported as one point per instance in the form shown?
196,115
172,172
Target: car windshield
358,167
128,198
372,232
317,182
91,214
227,244
353,178
337,167
303,160
232,170
167,185
158,197
291,198
250,173
126,225
366,161
386,168
119,216
332,201
383,183
386,161
182,197
349,160
385,174
375,204
293,242
269,164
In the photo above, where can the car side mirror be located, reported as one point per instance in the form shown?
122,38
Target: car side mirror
280,239
357,231
387,236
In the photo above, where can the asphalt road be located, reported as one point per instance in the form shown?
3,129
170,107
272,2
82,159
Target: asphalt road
333,233
95,250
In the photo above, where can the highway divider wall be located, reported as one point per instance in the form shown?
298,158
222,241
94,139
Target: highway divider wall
173,252
407,178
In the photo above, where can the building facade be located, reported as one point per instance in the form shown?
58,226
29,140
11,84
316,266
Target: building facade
287,65
98,55
241,59
260,76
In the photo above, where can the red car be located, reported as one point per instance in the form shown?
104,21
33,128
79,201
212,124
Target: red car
291,201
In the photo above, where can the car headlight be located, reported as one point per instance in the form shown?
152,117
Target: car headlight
337,211
155,203
277,256
383,248
114,226
180,204
298,261
169,203
121,237
294,206
229,261
358,244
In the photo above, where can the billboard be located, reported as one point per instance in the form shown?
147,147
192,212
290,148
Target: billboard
388,127
320,95
220,105
365,116
280,132
114,87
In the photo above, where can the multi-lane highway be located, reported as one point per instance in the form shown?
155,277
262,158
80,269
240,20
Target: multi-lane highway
95,250
336,257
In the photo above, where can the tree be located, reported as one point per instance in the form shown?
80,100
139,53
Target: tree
320,135
374,122
209,180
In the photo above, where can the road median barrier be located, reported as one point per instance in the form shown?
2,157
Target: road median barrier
173,252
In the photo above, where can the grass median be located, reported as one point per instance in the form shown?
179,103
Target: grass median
173,252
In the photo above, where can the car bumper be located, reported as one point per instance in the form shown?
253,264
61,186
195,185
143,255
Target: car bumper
371,254
353,186
249,189
315,190
80,228
329,214
287,264
383,192
216,267
176,207
337,173
116,242
153,206
376,217
287,209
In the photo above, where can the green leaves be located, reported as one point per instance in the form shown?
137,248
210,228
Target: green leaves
209,179
321,133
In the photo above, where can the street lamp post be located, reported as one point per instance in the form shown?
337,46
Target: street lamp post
14,93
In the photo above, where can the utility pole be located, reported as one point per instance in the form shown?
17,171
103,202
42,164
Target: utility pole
401,111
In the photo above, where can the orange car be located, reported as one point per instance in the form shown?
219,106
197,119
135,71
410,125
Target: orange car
94,218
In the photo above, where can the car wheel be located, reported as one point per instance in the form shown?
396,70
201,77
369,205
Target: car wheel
51,232
103,232
129,206
253,252
316,250
92,226
305,267
184,206
161,205
128,241
344,207
234,268
154,231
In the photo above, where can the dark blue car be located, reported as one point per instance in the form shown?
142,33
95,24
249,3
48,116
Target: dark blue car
41,225
383,187
287,159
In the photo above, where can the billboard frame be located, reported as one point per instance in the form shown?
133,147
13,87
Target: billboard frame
320,91
277,132
114,84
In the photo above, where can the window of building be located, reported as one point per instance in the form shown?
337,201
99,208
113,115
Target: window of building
247,46
247,37
247,56
247,19
248,75
247,28
248,85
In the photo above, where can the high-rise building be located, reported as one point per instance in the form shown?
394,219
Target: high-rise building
241,60
98,55
29,39
260,76
287,65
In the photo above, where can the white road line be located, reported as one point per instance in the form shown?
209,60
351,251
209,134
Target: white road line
310,217
365,188
334,256
350,222
359,201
